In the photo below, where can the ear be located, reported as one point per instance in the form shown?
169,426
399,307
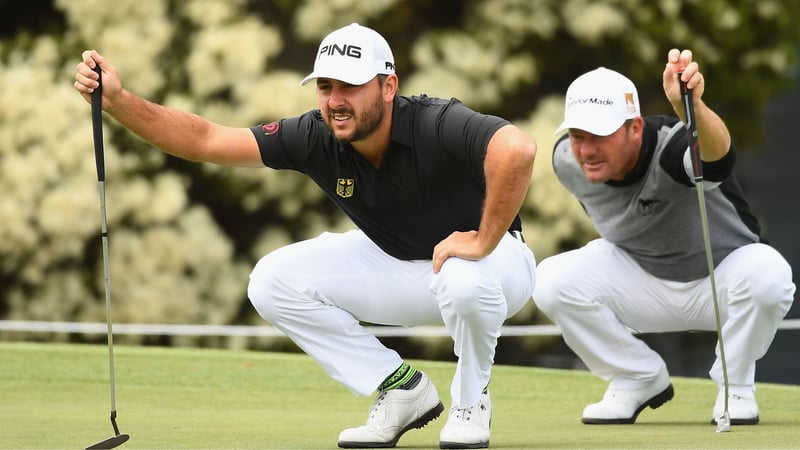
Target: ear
637,126
390,86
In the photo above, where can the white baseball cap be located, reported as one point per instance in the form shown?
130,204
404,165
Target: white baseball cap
599,102
353,54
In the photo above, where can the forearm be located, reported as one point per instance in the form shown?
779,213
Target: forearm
175,132
712,134
508,172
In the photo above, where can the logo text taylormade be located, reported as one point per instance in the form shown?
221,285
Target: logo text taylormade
591,100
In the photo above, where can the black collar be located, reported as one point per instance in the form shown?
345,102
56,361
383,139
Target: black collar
402,122
642,162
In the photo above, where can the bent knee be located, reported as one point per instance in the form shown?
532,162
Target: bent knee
767,280
552,283
268,285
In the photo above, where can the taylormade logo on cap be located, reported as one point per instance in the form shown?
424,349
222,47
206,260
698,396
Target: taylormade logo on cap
353,54
599,102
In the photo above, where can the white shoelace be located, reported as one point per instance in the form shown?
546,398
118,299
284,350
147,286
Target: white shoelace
376,405
465,414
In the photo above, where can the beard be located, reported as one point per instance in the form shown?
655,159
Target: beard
366,122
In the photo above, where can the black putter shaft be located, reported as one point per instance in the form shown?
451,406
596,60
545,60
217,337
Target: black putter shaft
97,131
697,169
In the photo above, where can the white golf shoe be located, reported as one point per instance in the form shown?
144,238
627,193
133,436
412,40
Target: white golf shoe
741,410
624,405
393,413
468,427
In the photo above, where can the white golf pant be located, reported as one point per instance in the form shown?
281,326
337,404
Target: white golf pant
598,294
320,291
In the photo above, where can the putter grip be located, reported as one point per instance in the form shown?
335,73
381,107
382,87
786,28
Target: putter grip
691,129
97,126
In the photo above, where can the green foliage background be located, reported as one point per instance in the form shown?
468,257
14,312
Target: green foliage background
184,236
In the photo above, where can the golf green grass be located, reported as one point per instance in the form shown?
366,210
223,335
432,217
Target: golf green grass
57,396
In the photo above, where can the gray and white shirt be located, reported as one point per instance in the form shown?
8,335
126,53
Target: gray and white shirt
653,213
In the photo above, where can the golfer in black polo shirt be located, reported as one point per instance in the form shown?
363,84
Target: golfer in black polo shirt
434,189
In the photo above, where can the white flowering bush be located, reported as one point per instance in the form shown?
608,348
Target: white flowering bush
184,236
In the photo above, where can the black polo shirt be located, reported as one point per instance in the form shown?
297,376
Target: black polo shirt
430,182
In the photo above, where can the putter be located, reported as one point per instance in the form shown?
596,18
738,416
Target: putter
724,421
97,128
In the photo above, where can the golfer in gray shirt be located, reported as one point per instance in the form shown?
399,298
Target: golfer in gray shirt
648,270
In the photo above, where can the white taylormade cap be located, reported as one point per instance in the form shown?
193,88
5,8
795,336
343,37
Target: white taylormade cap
599,102
353,54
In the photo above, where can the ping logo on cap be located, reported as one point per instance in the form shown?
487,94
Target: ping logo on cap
353,51
352,54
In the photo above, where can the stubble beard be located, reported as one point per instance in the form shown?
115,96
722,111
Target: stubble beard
366,123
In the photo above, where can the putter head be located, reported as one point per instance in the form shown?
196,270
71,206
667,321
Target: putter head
724,423
113,441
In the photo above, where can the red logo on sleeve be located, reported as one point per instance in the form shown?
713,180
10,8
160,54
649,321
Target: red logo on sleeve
270,128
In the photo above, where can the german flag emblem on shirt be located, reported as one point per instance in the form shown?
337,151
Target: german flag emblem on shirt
345,187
